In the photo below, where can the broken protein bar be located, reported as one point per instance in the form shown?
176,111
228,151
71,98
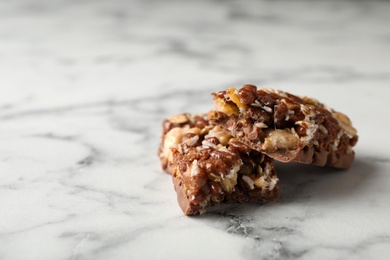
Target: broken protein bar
209,166
286,127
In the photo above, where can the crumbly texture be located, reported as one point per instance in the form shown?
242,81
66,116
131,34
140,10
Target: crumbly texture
209,166
286,127
173,130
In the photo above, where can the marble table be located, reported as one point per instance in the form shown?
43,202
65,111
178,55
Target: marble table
86,84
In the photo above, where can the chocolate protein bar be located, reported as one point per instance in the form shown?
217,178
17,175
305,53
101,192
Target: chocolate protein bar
286,127
209,166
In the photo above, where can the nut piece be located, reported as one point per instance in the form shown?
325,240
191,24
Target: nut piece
345,123
249,181
311,101
232,93
195,170
178,119
280,139
222,106
172,140
229,181
289,104
192,140
222,136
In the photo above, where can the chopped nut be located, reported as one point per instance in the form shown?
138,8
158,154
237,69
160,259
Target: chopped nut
289,104
195,170
222,136
228,185
249,181
232,93
194,130
345,123
192,140
178,119
261,125
172,140
229,181
260,182
273,183
280,139
205,130
224,107
311,101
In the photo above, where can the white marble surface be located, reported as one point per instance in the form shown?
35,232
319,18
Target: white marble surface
84,88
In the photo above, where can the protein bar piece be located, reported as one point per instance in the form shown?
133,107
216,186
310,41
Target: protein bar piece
209,167
286,127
